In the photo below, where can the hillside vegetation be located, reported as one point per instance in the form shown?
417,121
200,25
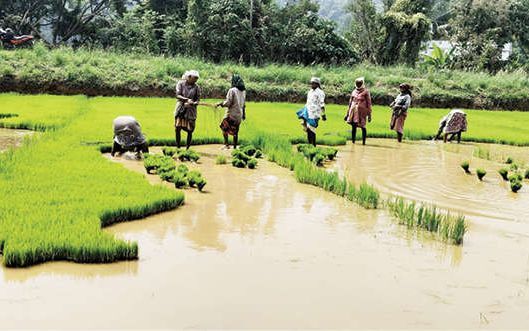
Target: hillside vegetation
67,71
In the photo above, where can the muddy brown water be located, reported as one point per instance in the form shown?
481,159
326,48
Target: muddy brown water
12,138
259,250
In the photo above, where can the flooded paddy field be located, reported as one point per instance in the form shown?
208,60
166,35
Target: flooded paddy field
259,250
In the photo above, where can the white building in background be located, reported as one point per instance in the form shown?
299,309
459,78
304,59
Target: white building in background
447,46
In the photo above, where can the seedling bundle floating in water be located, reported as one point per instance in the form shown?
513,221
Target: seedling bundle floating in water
246,156
466,166
481,173
317,155
180,154
167,170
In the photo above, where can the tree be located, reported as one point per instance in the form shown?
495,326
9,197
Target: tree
405,26
365,32
480,29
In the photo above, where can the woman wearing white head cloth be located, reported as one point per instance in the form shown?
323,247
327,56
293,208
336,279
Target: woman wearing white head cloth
188,96
313,110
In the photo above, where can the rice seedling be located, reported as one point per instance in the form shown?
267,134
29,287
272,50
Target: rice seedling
466,166
427,217
515,177
516,186
170,151
319,159
249,150
514,167
238,163
188,155
221,159
482,153
252,163
509,160
481,173
504,173
526,175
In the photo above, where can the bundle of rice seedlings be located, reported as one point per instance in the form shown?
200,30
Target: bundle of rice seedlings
481,173
221,159
188,155
504,173
169,151
509,160
238,163
526,175
466,166
252,163
319,159
516,186
516,182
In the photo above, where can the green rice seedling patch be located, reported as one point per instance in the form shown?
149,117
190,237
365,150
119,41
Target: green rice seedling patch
427,217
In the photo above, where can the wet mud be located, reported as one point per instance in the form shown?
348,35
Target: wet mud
259,250
12,138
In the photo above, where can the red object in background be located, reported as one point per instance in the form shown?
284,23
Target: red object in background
22,39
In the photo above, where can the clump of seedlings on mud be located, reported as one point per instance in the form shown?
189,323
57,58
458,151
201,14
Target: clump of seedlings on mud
221,159
448,227
509,160
516,182
168,171
466,166
504,173
246,156
481,173
188,155
318,155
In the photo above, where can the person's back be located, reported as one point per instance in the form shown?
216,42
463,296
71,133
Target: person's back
127,131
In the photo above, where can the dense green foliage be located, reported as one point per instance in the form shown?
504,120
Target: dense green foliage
254,31
102,73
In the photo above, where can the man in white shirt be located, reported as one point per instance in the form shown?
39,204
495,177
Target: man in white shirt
313,110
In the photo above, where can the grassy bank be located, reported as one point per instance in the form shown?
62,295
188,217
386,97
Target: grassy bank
64,71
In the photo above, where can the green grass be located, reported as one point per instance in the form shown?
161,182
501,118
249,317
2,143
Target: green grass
63,70
58,191
427,217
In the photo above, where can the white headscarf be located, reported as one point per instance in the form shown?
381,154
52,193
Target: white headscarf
190,73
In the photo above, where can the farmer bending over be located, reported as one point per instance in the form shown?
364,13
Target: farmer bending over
314,110
188,96
128,137
454,124
236,110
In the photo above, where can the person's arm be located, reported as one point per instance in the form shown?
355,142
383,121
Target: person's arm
369,105
408,103
322,105
228,101
179,92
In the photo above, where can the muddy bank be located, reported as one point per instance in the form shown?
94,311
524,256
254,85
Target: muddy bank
12,138
259,250
272,93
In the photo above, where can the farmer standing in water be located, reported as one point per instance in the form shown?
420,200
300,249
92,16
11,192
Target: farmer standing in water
188,96
314,110
236,110
399,109
359,112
